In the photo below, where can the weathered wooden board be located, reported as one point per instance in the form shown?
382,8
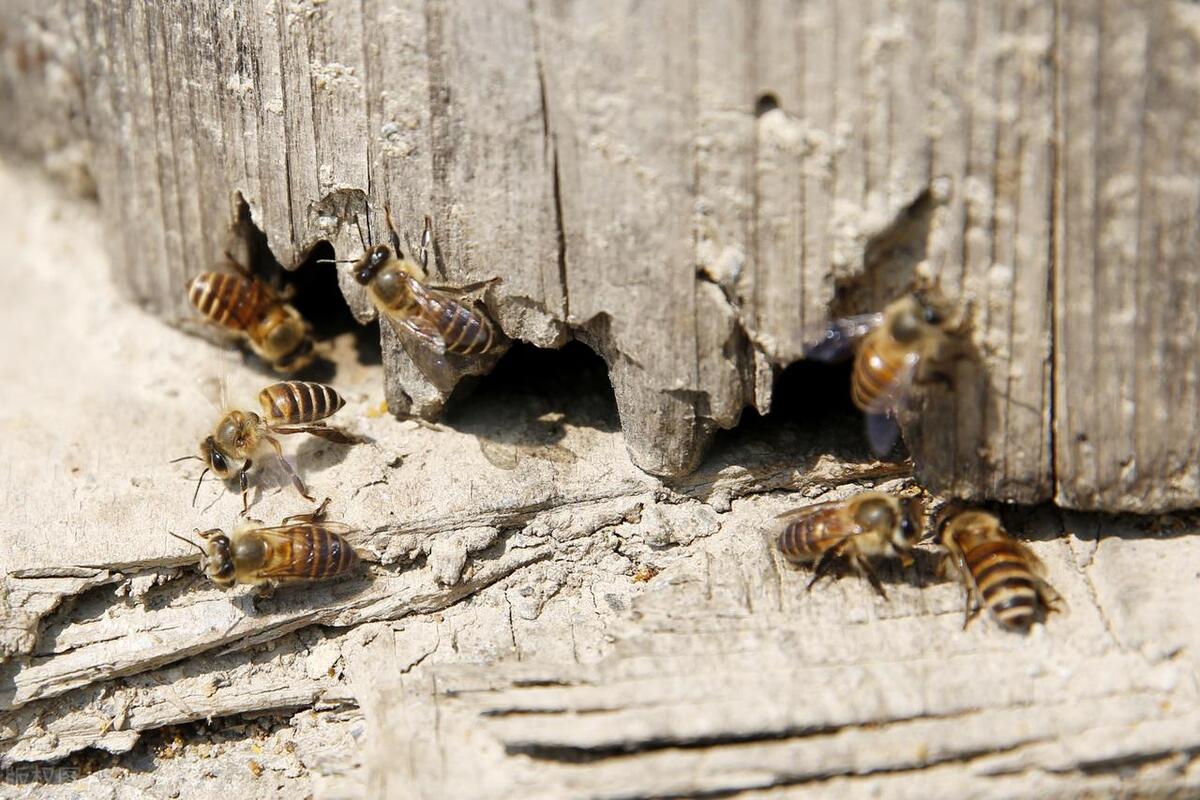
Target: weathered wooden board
730,677
534,605
693,191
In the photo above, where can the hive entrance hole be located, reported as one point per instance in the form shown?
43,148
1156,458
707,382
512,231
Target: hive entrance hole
342,341
530,400
811,415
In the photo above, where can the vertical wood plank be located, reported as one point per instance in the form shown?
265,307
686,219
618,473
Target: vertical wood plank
614,165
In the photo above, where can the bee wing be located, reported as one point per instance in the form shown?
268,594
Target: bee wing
882,426
499,454
882,433
809,510
321,431
1035,564
215,391
555,453
841,337
839,525
282,533
1049,595
418,325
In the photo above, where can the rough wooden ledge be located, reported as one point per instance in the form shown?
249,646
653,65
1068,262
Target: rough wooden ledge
569,627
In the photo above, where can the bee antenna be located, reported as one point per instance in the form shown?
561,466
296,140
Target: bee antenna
335,261
358,224
198,482
189,541
184,458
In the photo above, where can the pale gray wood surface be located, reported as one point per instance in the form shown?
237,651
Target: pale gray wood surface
568,627
612,162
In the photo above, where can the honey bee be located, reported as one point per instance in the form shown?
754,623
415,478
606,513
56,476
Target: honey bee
287,407
867,525
304,548
905,344
994,570
253,310
399,288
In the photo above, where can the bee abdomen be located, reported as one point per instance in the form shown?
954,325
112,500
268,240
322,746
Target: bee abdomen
1005,584
464,331
872,374
326,555
292,402
801,541
227,300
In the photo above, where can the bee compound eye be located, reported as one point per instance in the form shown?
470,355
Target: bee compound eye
218,462
906,327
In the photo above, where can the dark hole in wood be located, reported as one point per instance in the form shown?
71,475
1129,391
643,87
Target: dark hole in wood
766,102
522,409
811,414
314,292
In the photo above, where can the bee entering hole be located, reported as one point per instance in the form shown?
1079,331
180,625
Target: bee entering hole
766,102
811,413
288,322
318,297
523,412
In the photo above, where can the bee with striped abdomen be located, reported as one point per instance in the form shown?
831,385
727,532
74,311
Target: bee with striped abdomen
251,309
905,344
995,571
867,525
304,548
399,288
287,407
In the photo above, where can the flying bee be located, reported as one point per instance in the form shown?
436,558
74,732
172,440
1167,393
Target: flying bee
865,526
905,344
399,287
994,570
304,548
287,407
253,310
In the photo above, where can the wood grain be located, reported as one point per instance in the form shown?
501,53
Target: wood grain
693,190
566,626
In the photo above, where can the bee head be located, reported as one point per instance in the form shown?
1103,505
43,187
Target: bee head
216,460
944,530
908,321
909,531
876,514
935,308
371,263
218,561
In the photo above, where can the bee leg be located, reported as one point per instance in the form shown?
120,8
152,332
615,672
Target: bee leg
393,237
283,462
823,566
911,563
1051,599
971,608
244,481
467,289
426,243
317,514
865,568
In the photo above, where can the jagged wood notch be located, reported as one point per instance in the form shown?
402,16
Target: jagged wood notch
686,189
